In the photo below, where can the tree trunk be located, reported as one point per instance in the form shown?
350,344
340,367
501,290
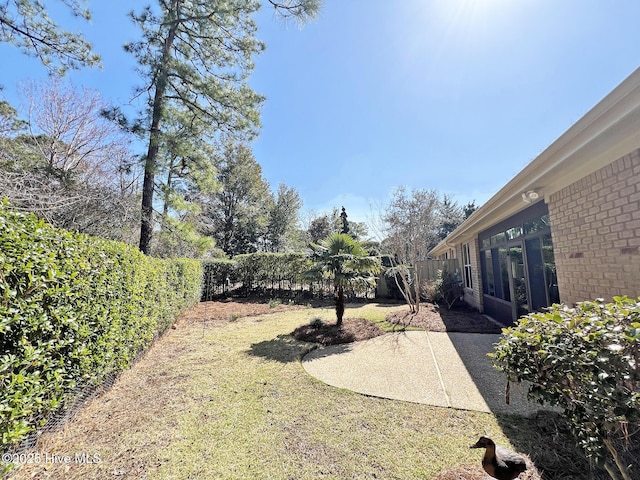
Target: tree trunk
339,304
151,162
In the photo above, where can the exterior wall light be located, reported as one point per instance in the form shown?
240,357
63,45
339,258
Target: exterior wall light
530,196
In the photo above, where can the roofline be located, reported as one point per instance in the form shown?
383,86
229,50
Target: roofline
610,130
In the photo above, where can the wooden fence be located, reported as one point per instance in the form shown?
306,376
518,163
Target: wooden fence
428,269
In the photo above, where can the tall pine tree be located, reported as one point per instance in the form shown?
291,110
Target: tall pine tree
195,57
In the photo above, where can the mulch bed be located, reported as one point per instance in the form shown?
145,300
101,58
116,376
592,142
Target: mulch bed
351,330
430,317
434,318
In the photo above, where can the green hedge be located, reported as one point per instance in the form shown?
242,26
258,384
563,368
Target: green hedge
219,276
256,272
584,360
74,309
270,271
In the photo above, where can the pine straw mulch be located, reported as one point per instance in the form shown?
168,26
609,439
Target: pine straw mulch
222,311
435,318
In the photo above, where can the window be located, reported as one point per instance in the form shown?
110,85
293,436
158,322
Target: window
498,238
514,232
550,269
488,286
466,259
537,224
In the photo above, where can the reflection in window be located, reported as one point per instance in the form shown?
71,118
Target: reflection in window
519,280
488,286
498,238
514,232
504,274
550,269
535,265
537,224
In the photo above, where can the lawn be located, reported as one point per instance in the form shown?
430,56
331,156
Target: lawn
227,398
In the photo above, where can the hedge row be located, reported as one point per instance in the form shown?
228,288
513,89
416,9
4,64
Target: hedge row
263,272
74,309
256,272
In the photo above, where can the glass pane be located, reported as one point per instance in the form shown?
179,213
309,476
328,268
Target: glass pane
537,224
514,232
519,280
536,274
487,273
504,274
498,238
550,269
486,243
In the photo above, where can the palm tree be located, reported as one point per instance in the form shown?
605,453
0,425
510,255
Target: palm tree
346,261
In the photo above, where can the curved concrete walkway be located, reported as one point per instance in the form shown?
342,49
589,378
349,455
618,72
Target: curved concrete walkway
444,369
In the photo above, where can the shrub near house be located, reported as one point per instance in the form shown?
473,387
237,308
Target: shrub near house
585,360
73,310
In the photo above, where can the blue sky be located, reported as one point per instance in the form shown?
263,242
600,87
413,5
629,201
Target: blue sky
452,95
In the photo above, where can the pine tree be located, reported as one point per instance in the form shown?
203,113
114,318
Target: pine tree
27,25
196,56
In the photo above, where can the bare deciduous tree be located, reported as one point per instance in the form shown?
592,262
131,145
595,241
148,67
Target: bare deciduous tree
69,133
72,167
410,225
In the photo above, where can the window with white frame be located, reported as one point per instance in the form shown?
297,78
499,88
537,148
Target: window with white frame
466,258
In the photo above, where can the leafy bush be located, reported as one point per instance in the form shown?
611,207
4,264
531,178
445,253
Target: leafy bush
74,309
447,287
585,360
219,275
316,322
255,271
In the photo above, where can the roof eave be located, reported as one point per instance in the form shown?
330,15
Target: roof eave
610,130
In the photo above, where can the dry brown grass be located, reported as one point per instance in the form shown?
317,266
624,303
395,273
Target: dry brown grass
226,397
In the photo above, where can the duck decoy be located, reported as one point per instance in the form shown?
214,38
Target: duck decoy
499,462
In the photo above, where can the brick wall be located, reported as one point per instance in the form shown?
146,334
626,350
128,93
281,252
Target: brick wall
595,226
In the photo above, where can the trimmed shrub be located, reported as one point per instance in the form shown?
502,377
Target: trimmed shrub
584,360
257,272
74,309
219,275
447,288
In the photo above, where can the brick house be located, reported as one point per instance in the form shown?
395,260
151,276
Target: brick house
567,227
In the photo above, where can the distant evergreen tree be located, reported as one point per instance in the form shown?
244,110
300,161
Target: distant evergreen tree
196,57
345,222
451,215
469,208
